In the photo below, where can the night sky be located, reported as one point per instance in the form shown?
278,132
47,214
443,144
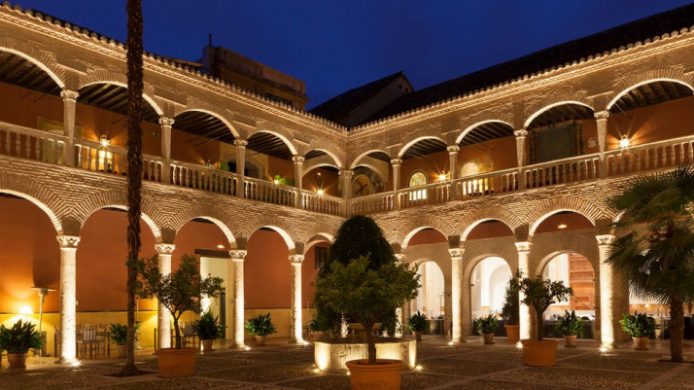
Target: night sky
338,45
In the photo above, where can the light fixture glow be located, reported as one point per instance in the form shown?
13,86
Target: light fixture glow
220,246
418,367
442,177
104,141
246,348
320,192
26,310
624,142
562,226
519,345
316,371
276,181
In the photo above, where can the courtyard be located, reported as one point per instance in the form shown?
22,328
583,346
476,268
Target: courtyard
471,365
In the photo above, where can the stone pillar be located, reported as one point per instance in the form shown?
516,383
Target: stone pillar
396,164
298,178
400,312
69,106
346,176
237,259
453,166
601,122
164,252
297,322
522,155
607,296
165,124
523,248
68,298
240,165
456,294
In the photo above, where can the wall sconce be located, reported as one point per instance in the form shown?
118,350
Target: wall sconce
26,310
442,177
624,142
276,181
320,192
562,226
104,142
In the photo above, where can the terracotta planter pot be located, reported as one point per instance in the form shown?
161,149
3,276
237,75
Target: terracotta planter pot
176,362
512,333
207,345
417,335
570,341
122,350
384,375
17,360
640,343
540,353
260,340
488,338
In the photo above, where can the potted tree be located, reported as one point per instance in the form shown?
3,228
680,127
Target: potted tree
18,340
511,311
654,249
178,292
571,327
640,327
208,329
540,294
486,326
260,327
118,333
417,323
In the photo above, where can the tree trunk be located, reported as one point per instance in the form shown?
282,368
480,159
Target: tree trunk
134,63
540,323
371,345
177,333
676,328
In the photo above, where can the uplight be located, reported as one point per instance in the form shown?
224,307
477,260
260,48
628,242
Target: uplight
418,367
519,345
624,142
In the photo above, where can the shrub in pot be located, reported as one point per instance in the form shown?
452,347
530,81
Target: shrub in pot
18,340
540,294
486,326
640,327
511,311
260,327
571,327
118,333
208,328
179,292
417,323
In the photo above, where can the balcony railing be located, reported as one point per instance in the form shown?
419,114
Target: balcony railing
31,144
268,192
322,203
203,178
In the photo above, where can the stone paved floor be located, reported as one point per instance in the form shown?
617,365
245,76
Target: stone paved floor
469,366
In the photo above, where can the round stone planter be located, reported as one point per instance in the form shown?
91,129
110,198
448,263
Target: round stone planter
333,355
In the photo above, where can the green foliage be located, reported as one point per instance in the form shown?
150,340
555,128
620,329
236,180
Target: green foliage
486,325
511,310
119,333
569,324
20,338
417,322
208,327
179,291
261,325
360,236
540,294
637,325
320,323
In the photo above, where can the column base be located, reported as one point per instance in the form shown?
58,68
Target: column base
606,347
68,362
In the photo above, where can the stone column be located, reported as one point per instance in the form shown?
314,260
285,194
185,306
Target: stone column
601,122
68,298
237,259
164,252
298,178
240,165
453,166
523,248
456,294
297,323
69,106
606,274
521,154
165,124
346,176
400,313
396,164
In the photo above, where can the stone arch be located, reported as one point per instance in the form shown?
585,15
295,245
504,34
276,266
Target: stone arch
211,113
43,197
355,162
330,154
221,225
472,263
548,207
545,258
156,230
408,145
118,79
282,137
478,216
631,87
42,60
288,240
548,107
52,216
473,126
318,238
413,232
211,214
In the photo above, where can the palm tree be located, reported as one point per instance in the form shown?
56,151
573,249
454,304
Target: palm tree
655,250
134,59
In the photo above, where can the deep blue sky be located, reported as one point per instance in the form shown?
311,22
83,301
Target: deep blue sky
337,45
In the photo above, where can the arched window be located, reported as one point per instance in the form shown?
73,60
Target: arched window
418,179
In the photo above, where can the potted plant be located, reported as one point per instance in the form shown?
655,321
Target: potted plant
486,326
540,294
417,323
208,329
178,292
118,333
18,340
318,325
260,327
640,327
511,311
571,327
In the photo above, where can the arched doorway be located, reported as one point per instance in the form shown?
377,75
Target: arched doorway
431,298
488,283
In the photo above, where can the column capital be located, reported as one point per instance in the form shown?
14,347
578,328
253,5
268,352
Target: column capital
298,159
296,259
240,142
605,239
524,246
396,161
346,173
453,149
166,121
456,252
66,241
238,254
602,114
164,248
520,133
68,94
399,257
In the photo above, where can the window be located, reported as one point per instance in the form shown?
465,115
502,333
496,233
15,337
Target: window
321,256
418,179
